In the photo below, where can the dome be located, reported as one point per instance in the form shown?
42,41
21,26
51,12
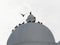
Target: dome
31,34
58,43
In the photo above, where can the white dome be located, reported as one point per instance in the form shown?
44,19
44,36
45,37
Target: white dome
31,33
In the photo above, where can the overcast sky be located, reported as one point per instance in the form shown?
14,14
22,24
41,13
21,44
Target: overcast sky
46,11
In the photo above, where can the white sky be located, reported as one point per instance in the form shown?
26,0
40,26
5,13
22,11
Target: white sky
46,11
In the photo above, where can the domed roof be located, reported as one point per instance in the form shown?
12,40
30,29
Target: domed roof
58,43
30,32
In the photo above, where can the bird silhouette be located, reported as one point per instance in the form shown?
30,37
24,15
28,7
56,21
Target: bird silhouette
12,30
23,23
41,22
16,26
23,15
38,22
19,24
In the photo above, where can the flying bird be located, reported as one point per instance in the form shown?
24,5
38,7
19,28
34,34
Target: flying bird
23,15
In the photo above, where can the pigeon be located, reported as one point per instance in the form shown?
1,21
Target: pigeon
12,30
38,22
16,26
19,24
41,22
33,21
23,23
23,15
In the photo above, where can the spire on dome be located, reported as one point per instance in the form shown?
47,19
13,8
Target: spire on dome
31,18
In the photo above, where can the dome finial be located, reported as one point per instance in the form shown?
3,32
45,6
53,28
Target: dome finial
31,18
